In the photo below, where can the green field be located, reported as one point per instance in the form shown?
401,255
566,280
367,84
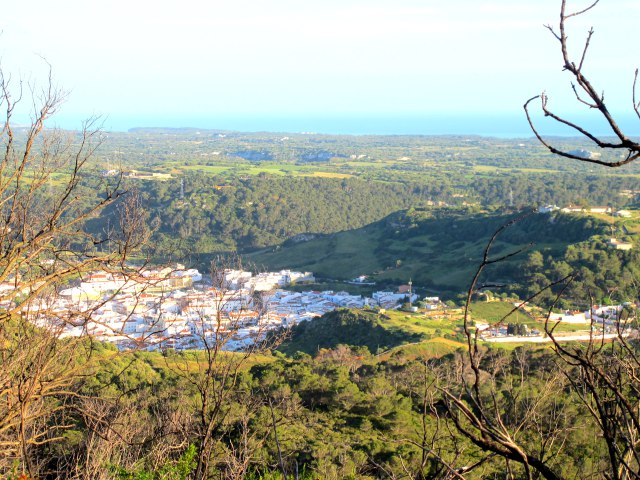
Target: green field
436,333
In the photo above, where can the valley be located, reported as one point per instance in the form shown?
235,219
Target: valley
392,208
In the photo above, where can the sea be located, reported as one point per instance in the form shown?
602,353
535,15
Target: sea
500,126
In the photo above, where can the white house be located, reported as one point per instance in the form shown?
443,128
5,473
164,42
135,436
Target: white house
601,209
569,317
619,244
547,208
622,213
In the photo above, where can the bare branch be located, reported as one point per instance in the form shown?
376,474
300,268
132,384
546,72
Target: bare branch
580,12
591,99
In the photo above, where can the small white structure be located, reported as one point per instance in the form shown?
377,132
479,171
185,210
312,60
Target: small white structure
623,213
582,153
619,244
236,279
548,208
572,209
605,313
569,317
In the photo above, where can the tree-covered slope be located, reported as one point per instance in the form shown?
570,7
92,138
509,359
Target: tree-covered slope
208,214
346,327
200,212
439,249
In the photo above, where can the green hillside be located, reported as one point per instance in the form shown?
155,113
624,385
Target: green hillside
438,249
348,327
394,332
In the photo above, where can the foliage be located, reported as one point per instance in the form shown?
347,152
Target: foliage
347,327
439,248
342,413
210,202
181,469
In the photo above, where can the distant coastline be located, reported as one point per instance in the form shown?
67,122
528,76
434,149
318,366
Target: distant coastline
499,126
359,125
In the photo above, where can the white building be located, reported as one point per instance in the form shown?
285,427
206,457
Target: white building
548,208
619,244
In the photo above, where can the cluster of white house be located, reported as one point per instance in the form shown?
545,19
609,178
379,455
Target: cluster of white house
605,317
175,308
579,209
599,314
236,279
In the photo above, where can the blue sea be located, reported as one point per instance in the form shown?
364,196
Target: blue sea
501,126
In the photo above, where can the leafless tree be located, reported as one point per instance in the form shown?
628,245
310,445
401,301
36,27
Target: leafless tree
46,200
232,328
497,403
500,403
601,373
590,96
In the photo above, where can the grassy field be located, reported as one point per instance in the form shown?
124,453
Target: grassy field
330,175
443,329
492,312
494,169
379,169
208,169
419,323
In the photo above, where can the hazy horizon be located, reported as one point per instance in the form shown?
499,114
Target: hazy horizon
199,62
500,126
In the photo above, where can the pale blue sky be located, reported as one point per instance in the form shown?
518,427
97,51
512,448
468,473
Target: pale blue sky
192,60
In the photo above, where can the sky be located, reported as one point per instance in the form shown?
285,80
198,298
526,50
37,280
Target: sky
212,63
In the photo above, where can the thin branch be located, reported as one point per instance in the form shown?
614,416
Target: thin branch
592,100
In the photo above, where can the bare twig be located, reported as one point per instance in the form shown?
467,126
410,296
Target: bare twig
592,99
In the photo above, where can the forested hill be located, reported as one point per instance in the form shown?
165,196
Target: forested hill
346,327
200,213
223,215
441,248
216,191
